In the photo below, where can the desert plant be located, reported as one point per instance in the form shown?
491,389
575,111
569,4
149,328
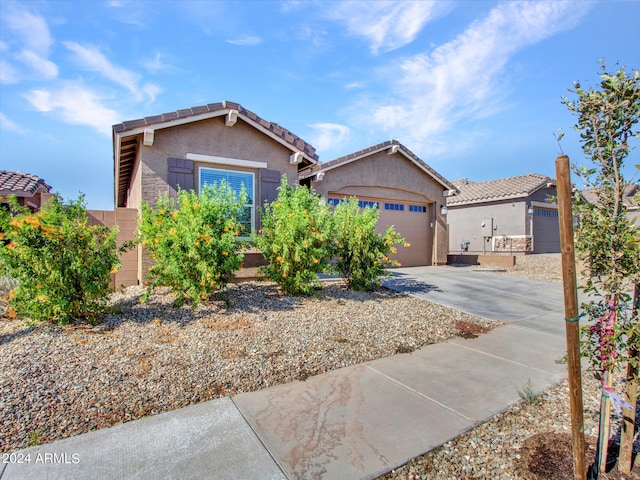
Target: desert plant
608,243
193,243
294,238
361,254
62,265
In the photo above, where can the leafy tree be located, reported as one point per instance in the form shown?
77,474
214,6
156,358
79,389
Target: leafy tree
63,266
295,238
607,242
361,254
194,243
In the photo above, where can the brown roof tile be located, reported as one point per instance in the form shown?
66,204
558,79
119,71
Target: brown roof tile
493,190
381,146
21,184
125,171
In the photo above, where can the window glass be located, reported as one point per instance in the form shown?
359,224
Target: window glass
210,176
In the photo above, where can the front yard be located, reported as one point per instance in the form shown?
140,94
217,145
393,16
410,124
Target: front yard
149,358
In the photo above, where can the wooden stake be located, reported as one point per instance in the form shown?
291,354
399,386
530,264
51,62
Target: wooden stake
565,215
625,459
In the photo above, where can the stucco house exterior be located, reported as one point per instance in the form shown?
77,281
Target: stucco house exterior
409,194
510,215
205,144
30,190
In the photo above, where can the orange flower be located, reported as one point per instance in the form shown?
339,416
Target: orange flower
114,270
225,253
11,313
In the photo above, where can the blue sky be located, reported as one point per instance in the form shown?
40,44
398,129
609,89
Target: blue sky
472,87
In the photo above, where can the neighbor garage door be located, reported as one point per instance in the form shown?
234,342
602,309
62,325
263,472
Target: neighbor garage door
546,231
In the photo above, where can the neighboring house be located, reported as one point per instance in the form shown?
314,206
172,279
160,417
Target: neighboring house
510,215
630,198
31,191
200,145
409,194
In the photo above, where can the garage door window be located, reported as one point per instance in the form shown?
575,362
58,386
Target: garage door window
394,206
417,208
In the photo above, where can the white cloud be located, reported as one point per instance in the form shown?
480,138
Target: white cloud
31,39
245,41
7,124
462,79
46,69
8,73
329,135
90,58
387,25
32,31
75,104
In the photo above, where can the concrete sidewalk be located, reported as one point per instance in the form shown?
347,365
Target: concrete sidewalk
356,422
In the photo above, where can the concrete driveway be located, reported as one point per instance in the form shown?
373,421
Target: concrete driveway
498,297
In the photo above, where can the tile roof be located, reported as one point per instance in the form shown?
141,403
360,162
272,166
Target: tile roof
21,184
380,147
494,190
126,149
296,142
628,196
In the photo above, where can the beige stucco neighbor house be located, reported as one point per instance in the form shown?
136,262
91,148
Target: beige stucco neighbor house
30,190
510,215
409,194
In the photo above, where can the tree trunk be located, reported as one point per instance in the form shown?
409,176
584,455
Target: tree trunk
625,458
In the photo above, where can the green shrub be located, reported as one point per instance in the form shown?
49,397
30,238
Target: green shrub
361,254
194,244
63,265
294,238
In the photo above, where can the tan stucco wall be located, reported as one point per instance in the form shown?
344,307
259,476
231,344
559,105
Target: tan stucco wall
209,137
394,177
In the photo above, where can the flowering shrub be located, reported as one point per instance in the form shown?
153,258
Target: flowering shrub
361,253
193,244
62,265
294,238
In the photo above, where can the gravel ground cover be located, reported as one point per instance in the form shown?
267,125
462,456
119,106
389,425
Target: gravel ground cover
57,382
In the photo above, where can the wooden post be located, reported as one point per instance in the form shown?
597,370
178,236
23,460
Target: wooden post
625,459
572,326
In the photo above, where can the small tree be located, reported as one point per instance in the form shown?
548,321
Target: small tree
607,242
294,238
360,253
194,243
63,266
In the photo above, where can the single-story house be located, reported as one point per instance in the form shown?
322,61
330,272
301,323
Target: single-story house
511,215
630,198
409,194
205,144
200,145
30,190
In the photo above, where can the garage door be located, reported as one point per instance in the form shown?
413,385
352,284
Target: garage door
411,220
546,231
